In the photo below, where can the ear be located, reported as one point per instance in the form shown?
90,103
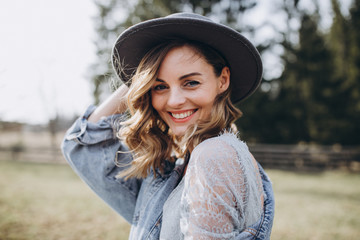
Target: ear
224,80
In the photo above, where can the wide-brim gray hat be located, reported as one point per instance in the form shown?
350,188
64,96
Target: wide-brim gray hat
243,58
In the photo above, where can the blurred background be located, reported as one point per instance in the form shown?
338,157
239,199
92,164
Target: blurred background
302,124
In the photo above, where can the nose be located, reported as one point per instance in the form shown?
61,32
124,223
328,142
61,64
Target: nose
176,98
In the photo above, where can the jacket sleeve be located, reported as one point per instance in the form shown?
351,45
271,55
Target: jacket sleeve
91,150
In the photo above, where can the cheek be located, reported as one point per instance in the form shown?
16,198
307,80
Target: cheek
209,100
156,102
206,98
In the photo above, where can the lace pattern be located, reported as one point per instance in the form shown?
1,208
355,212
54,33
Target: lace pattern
222,190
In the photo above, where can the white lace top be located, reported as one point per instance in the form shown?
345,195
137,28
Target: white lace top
220,195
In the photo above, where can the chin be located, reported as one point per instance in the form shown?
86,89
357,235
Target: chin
178,132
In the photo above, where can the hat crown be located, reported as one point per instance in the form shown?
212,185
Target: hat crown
193,16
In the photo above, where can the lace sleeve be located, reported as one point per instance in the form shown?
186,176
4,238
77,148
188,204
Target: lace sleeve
221,193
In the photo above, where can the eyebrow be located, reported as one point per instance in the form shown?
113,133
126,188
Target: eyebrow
189,75
182,77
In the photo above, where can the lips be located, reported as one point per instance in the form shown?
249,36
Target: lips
183,115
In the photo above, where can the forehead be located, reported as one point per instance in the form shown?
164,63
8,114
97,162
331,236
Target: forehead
181,60
183,54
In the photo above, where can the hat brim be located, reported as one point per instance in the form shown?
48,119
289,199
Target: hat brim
243,58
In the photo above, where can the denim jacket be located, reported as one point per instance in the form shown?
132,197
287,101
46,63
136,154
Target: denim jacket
92,150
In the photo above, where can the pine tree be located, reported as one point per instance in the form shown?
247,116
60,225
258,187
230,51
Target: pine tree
300,111
271,117
353,110
344,40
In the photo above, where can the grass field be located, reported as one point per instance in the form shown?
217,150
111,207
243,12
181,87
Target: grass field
48,201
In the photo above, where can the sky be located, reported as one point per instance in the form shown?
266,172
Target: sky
46,48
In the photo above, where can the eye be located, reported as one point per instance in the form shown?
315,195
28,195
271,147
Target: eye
191,83
159,87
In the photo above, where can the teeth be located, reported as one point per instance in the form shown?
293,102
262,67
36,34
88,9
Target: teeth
182,115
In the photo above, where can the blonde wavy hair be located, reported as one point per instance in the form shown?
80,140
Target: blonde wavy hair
147,135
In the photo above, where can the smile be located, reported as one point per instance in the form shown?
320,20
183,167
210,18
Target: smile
183,114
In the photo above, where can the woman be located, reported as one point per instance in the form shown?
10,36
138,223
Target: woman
178,171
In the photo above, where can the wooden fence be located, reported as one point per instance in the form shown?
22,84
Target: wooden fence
307,157
286,157
38,154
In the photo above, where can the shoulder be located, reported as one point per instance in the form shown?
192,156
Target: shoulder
225,142
227,147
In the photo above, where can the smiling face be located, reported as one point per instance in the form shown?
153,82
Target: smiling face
185,89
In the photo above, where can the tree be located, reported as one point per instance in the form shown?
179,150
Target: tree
344,42
271,116
314,73
300,110
354,106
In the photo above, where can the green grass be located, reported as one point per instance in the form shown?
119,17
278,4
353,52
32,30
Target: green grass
45,201
48,201
316,206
